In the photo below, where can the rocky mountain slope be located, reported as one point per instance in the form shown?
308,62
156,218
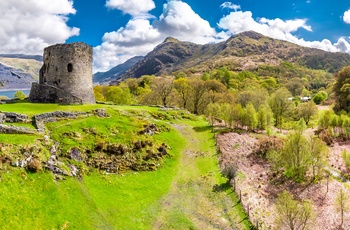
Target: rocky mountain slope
115,72
244,51
19,71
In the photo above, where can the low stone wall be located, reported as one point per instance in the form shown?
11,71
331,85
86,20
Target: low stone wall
10,129
13,117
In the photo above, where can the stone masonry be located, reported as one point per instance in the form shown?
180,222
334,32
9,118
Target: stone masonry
66,75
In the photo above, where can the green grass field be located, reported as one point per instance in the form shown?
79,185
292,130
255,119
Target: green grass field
131,200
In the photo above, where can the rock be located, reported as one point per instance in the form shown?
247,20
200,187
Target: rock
100,112
75,154
151,129
74,170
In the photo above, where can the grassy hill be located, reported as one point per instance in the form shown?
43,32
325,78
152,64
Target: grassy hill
157,199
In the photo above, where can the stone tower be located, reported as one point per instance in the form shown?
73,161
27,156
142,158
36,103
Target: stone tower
66,75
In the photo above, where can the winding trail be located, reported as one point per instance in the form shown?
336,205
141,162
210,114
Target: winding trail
199,198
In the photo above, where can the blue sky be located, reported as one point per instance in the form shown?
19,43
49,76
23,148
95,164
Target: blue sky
121,29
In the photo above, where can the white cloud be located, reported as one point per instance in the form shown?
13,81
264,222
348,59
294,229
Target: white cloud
239,21
139,36
230,5
31,25
132,7
346,17
180,21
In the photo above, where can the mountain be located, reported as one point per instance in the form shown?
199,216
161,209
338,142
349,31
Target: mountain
244,51
115,72
38,58
18,71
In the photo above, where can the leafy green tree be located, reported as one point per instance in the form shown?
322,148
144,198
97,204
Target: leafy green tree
292,214
341,89
342,204
307,110
296,156
319,155
251,116
265,117
183,89
119,95
213,112
320,97
162,88
280,105
20,95
197,91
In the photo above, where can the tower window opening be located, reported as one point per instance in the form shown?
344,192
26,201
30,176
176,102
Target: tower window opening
70,67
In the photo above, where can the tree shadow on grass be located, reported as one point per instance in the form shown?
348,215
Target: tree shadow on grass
222,187
202,128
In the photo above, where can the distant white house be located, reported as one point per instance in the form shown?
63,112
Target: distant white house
303,99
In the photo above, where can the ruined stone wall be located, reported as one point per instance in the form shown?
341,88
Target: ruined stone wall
67,67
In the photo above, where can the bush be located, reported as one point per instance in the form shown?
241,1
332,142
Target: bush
266,144
346,158
229,171
34,165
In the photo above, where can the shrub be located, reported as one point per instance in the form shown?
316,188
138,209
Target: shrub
229,171
266,144
34,165
346,158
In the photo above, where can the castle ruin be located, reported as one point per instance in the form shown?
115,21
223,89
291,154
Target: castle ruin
66,75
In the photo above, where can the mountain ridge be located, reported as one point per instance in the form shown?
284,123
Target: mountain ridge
243,51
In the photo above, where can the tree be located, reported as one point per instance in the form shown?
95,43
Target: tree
265,117
341,89
119,95
319,153
296,156
292,214
197,90
342,204
183,89
280,105
307,110
251,116
320,97
20,95
212,112
162,88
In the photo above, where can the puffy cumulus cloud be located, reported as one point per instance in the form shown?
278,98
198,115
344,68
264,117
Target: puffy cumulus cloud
180,21
346,17
230,5
29,26
132,7
140,36
239,21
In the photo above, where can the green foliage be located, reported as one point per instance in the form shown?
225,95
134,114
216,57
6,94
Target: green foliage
341,89
280,105
119,95
320,97
20,95
229,171
342,204
306,111
346,158
296,157
292,214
